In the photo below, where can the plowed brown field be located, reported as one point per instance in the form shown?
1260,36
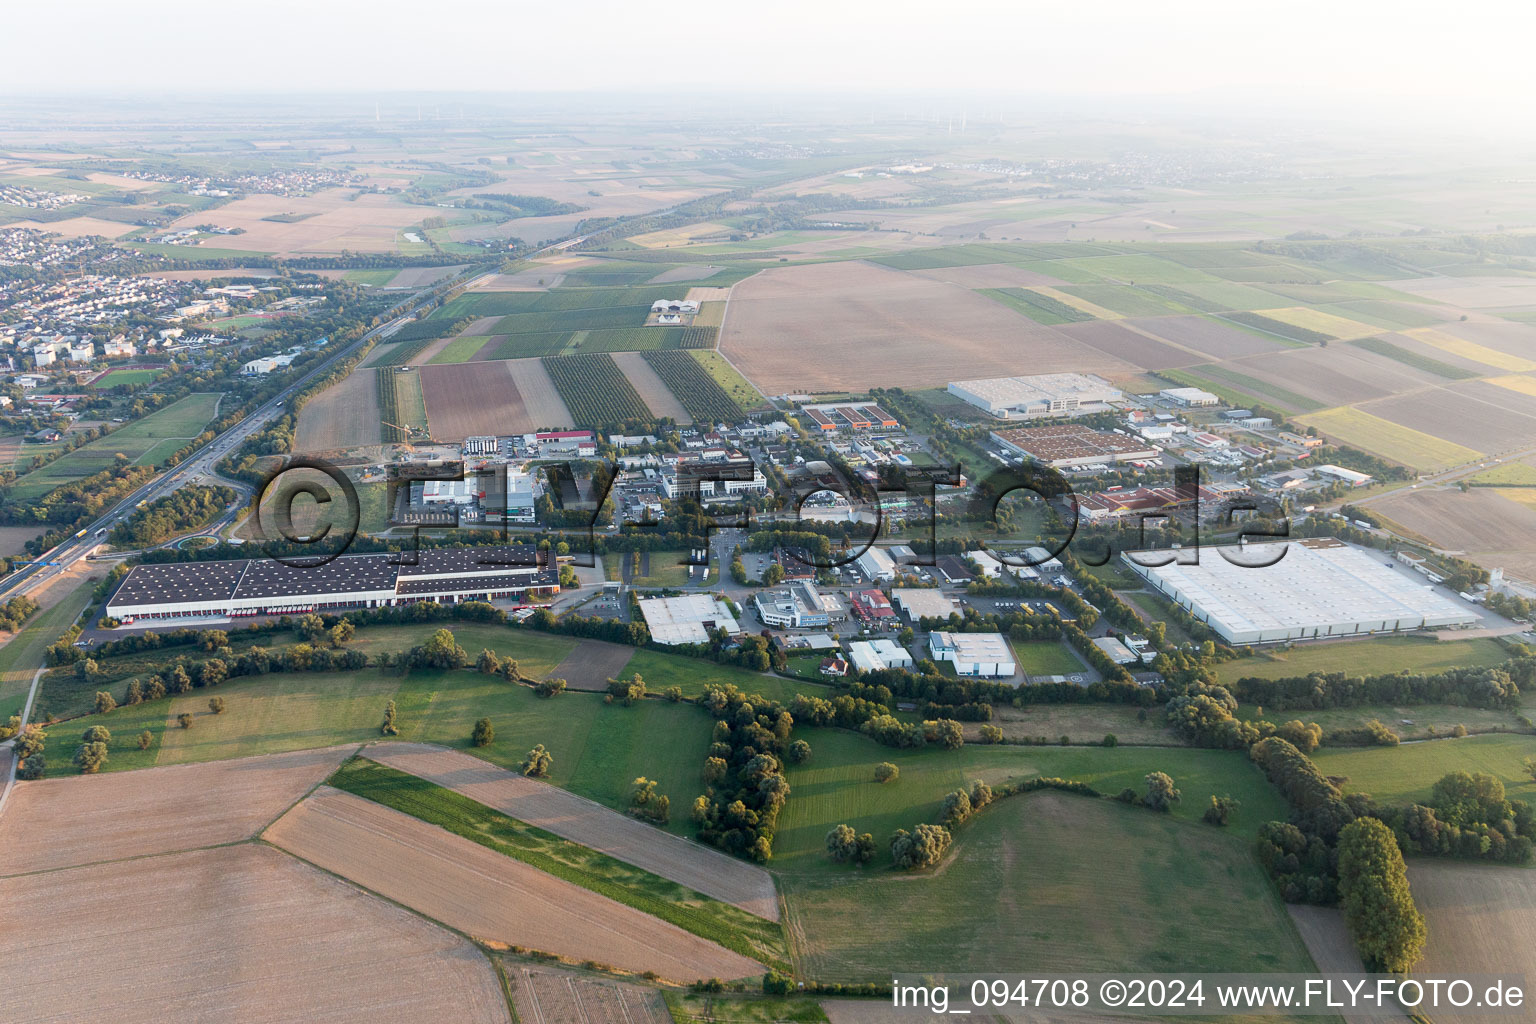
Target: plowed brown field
477,890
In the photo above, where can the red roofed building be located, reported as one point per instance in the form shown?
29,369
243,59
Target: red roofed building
873,608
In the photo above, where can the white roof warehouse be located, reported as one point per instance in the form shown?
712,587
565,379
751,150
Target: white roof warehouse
1320,587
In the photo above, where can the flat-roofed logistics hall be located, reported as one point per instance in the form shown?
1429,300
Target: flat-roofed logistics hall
1319,587
262,586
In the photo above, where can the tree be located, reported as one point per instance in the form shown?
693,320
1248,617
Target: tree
798,752
440,651
845,846
991,734
135,694
1221,810
1373,891
214,672
1111,740
626,691
86,670
886,772
97,734
216,705
1303,736
90,757
957,808
1529,764
487,664
156,688
146,738
104,702
673,694
180,681
1161,795
342,632
645,802
312,627
774,575
549,687
715,770
184,720
538,762
34,767
945,732
389,727
923,847
484,733
30,742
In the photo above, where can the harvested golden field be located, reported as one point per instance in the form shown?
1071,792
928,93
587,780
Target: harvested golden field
536,278
991,275
1482,524
78,227
1481,918
1336,375
840,326
344,415
57,823
334,221
545,409
1205,334
240,933
478,891
548,995
1481,416
650,387
581,821
1120,340
1391,439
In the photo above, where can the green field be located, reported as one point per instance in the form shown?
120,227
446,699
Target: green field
460,350
1047,658
119,378
1407,773
373,277
22,655
728,925
663,670
145,441
1050,883
726,375
1042,309
1383,347
1127,300
1507,474
1367,656
837,785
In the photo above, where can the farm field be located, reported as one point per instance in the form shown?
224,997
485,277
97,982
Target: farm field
548,994
233,933
464,399
344,415
595,391
653,391
66,822
1025,875
1408,721
336,220
1337,375
1367,656
1215,338
144,441
1457,345
22,653
700,868
732,382
1115,338
480,892
1404,774
811,328
1412,448
1081,723
1479,914
694,387
1485,523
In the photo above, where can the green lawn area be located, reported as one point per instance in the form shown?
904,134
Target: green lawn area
1443,718
118,378
1402,774
728,925
145,442
711,1008
837,785
374,277
1368,656
598,748
663,670
460,349
1050,882
1047,658
23,653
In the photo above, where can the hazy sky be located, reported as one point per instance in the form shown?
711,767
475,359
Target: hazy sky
1467,55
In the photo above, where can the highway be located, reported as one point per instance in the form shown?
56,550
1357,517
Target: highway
203,461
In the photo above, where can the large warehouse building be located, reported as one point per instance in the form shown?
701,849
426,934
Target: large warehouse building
1320,587
263,586
1046,394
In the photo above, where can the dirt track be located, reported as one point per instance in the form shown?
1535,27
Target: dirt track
55,823
243,933
478,891
590,824
657,398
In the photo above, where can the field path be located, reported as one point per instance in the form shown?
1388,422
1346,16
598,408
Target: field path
583,821
483,893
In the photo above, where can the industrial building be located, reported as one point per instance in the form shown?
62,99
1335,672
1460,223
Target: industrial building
1189,397
1068,445
921,602
876,564
831,416
251,586
797,606
1048,394
1318,587
1116,651
973,654
878,654
686,620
